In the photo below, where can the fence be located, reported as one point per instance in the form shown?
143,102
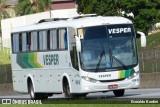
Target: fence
149,60
5,74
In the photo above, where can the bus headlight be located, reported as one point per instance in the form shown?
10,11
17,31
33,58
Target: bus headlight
89,79
133,75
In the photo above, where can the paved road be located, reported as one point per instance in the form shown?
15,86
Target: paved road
131,93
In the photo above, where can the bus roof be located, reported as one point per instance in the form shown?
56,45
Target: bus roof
74,23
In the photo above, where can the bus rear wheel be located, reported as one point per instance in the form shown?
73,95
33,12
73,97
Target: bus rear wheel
119,93
34,95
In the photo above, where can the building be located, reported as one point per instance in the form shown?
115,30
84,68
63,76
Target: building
55,5
63,4
59,9
10,7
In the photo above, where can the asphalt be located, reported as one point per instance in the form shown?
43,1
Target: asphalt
130,93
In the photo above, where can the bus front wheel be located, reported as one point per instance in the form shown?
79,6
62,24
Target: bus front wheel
66,89
119,93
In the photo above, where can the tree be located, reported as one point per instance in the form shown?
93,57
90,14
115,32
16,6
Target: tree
100,7
25,7
3,12
146,12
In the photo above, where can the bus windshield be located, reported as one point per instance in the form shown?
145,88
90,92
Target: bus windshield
108,48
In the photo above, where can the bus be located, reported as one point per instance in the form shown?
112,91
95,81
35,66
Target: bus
75,56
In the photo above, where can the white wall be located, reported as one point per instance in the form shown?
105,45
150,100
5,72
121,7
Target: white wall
8,24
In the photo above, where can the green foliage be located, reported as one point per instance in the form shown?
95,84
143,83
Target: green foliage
153,41
5,56
100,7
3,12
146,12
25,7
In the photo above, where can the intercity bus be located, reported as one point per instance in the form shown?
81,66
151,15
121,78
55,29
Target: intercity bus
75,56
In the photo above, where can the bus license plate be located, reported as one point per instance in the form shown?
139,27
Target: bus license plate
114,86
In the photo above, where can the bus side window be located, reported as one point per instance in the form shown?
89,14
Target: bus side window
65,39
34,41
20,42
15,43
48,40
28,41
24,42
62,36
43,40
53,39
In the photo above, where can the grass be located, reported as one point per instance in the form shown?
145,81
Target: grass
153,41
5,56
85,105
96,100
86,101
5,67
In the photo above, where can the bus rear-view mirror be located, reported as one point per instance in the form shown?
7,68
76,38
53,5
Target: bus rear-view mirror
143,39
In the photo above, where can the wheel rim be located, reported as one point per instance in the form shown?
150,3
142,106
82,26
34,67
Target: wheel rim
32,91
68,90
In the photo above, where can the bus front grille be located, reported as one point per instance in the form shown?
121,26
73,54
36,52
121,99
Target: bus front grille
112,80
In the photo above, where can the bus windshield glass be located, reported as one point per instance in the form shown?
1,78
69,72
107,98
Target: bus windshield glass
108,47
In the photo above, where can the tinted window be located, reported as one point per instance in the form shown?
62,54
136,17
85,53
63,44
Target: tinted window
43,40
53,39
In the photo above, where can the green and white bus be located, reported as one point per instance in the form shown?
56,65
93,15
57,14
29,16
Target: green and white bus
75,56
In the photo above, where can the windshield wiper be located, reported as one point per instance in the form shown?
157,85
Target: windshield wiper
98,64
123,65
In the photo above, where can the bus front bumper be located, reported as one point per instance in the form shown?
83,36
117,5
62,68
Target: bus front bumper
87,87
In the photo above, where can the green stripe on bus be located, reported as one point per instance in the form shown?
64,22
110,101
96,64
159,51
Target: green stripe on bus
125,73
25,60
122,74
36,61
31,60
20,61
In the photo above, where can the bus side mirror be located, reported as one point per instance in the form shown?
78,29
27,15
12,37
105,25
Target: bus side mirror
143,39
78,44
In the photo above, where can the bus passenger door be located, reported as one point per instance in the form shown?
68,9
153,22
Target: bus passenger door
74,61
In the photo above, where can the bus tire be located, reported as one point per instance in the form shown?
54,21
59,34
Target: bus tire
43,96
31,92
119,93
66,89
35,96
